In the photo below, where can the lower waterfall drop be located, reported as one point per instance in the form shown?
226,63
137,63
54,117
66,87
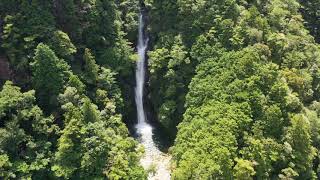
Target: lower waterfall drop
155,161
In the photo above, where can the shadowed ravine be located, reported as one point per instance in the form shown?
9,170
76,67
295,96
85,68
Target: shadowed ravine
154,160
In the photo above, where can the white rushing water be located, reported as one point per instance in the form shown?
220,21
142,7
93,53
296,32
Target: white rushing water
153,160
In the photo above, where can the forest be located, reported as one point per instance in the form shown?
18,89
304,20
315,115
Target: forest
234,85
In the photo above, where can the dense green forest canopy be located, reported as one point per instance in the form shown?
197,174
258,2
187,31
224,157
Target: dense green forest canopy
73,62
241,81
235,83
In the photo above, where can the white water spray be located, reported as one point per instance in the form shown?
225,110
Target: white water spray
153,158
140,72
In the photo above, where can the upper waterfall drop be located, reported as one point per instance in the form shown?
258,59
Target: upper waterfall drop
153,157
140,72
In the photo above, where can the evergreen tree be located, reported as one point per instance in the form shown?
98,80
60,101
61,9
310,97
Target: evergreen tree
298,136
62,45
26,136
235,82
49,76
90,68
311,14
91,147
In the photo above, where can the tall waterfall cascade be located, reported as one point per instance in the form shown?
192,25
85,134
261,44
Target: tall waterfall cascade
154,161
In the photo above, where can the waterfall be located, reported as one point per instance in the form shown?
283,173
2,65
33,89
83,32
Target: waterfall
153,159
140,72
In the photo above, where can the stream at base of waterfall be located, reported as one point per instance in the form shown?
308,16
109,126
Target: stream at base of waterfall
154,161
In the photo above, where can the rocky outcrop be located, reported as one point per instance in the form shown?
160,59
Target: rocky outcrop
5,72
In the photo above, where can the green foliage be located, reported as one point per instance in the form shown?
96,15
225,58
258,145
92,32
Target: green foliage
70,16
120,60
164,21
62,45
103,28
313,116
25,134
256,55
199,16
311,13
208,151
240,80
23,31
170,71
90,68
109,91
265,155
39,38
7,7
49,76
298,136
243,170
75,82
130,17
95,145
269,93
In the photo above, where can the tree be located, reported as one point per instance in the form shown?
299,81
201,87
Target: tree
103,25
90,68
61,44
30,23
94,145
265,155
199,16
170,72
130,17
26,136
49,76
298,136
206,142
108,91
243,170
311,14
69,16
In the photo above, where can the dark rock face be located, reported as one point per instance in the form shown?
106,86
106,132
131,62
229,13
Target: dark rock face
1,28
5,72
148,106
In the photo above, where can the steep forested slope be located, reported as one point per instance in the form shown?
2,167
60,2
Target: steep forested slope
250,110
74,63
